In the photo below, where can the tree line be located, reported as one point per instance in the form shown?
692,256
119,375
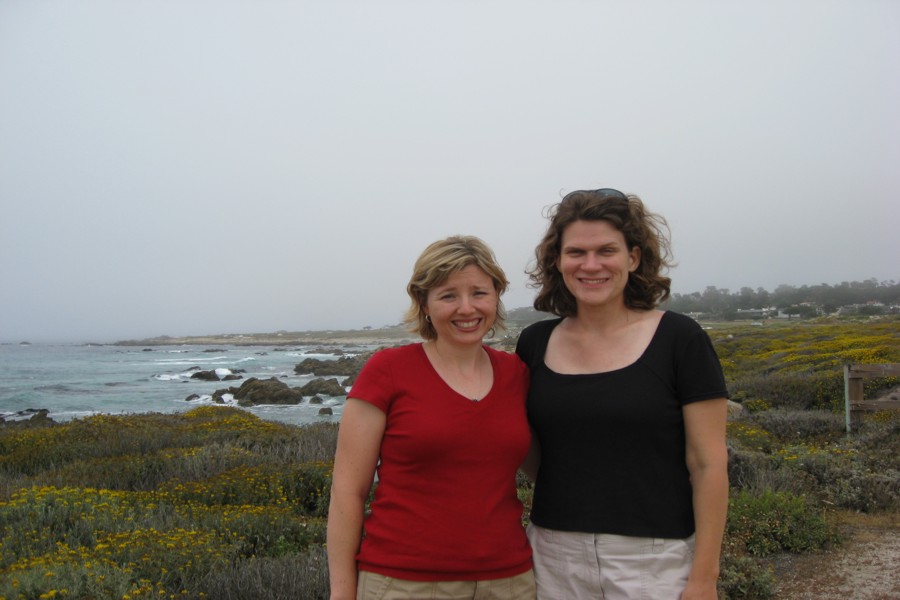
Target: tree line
868,297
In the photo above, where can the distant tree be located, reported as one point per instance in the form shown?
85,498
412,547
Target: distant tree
748,299
785,295
803,311
720,303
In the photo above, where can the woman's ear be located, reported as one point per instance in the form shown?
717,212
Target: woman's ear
634,259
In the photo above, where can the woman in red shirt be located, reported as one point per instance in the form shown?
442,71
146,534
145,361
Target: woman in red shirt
442,423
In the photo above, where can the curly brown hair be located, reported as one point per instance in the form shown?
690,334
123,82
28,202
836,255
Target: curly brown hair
647,231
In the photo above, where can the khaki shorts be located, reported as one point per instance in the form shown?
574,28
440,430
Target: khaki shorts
585,566
372,586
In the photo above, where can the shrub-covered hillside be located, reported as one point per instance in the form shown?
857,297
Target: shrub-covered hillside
216,503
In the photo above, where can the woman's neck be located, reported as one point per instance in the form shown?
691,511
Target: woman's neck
469,355
603,319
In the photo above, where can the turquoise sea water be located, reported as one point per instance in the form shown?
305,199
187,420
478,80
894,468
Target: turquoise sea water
73,381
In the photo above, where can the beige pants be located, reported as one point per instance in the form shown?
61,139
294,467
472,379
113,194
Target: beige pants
373,586
571,565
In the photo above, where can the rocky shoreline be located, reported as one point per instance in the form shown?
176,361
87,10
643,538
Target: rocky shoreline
386,336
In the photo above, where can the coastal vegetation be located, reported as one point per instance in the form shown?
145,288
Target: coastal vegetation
217,503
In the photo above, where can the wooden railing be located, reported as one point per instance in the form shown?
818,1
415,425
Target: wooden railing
854,403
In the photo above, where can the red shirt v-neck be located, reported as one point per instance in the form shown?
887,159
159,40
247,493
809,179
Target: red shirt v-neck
445,507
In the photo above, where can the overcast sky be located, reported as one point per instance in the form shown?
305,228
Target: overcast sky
190,167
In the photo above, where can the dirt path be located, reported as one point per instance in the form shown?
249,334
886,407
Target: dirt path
866,566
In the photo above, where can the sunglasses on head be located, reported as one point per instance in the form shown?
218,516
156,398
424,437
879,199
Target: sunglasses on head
611,193
603,193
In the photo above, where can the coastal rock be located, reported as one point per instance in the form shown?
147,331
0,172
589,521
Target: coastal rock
205,376
217,375
326,387
325,410
262,391
192,397
316,400
30,417
323,350
345,365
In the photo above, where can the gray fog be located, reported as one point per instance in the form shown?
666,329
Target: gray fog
220,166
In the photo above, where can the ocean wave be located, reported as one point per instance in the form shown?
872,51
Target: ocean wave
175,362
202,399
171,377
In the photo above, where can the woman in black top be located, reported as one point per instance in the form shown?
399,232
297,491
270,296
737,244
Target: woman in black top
628,407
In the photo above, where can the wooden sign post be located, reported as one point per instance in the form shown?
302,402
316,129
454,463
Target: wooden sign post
854,403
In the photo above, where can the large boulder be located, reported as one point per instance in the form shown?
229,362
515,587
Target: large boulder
345,365
262,391
326,387
205,375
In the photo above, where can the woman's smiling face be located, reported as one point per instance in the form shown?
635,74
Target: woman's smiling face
595,262
463,308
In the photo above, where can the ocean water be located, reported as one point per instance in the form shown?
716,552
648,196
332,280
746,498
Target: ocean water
74,381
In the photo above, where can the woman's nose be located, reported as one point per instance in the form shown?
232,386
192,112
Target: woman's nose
592,261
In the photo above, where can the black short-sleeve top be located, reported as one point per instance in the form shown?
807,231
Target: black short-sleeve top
613,443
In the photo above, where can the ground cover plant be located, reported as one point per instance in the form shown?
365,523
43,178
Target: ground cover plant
213,503
799,364
216,503
793,469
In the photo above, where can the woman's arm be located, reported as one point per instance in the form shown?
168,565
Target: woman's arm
707,461
358,447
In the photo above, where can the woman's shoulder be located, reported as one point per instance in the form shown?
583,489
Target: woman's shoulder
539,328
506,364
680,330
502,356
679,322
396,353
532,341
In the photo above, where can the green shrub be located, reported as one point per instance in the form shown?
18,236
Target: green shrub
768,522
800,425
757,472
795,390
755,405
745,578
